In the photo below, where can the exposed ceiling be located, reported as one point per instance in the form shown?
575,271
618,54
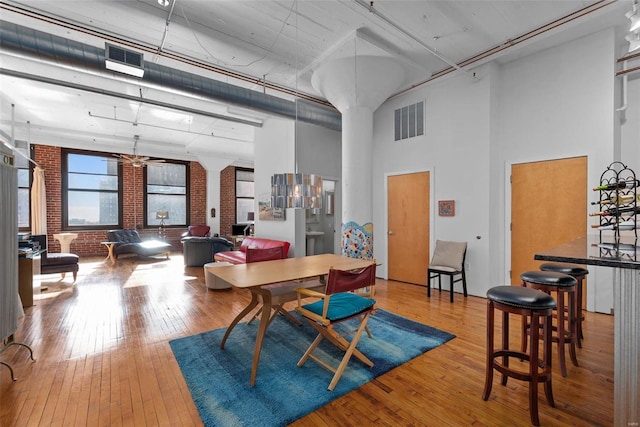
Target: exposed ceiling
266,47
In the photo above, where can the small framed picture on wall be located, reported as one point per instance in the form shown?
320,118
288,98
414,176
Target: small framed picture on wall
446,207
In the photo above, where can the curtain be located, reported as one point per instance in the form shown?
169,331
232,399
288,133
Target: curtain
38,203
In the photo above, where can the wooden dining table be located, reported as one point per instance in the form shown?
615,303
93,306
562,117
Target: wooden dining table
254,276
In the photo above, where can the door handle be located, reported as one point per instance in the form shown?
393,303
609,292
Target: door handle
390,232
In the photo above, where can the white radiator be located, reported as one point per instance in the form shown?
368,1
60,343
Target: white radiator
10,305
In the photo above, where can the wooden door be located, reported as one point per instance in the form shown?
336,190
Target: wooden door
408,227
548,208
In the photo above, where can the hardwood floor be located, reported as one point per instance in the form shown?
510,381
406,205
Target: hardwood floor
103,358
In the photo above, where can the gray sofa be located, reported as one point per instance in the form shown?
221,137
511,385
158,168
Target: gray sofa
199,251
129,242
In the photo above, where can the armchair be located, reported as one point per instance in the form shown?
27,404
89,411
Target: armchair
199,251
197,231
448,259
51,263
339,302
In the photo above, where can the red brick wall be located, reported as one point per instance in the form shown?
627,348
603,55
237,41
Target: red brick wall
227,199
198,189
88,242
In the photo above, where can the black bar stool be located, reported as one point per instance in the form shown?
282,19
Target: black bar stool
565,328
577,272
539,307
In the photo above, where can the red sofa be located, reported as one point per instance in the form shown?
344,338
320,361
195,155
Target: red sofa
261,250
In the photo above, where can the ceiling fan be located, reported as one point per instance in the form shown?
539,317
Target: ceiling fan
135,160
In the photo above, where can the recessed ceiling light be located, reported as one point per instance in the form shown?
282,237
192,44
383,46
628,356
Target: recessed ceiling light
164,3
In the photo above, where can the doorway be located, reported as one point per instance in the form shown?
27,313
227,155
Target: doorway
320,223
548,208
408,237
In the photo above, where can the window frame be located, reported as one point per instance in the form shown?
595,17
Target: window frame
64,209
187,195
29,169
236,197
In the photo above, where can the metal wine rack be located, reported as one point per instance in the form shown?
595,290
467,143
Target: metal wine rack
612,200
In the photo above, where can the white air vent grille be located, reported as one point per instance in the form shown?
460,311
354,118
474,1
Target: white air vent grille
128,57
124,60
409,121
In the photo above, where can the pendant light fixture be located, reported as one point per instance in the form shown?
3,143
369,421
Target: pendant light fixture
296,190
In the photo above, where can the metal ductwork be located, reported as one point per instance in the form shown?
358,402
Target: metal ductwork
58,50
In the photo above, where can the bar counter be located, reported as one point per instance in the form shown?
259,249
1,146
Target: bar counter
624,258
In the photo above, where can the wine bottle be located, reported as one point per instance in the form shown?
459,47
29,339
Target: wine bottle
624,225
620,185
622,198
623,248
617,211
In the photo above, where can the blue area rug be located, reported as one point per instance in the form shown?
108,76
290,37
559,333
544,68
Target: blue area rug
219,379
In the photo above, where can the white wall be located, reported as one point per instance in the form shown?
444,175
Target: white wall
455,149
318,152
568,111
554,104
274,148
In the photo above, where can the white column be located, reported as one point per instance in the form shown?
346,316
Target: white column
356,85
357,158
626,380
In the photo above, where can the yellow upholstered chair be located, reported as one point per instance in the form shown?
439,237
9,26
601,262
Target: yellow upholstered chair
340,301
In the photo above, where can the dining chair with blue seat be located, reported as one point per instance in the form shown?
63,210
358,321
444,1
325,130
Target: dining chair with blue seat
341,300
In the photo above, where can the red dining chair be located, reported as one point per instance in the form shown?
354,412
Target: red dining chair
340,301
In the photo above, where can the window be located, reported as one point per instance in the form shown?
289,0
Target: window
91,190
24,187
166,190
244,196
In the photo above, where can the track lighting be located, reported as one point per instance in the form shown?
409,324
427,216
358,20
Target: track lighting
634,16
634,41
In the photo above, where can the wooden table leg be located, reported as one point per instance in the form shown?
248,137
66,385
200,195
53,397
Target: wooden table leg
252,304
264,323
111,255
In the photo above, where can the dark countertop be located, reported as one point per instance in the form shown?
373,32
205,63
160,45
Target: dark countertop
593,250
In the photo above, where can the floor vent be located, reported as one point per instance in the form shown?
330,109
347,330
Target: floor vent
409,121
124,60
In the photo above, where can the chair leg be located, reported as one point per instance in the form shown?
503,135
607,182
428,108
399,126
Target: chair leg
451,288
366,328
524,334
75,276
349,353
63,275
288,315
505,344
534,371
561,333
312,347
428,284
488,381
464,282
